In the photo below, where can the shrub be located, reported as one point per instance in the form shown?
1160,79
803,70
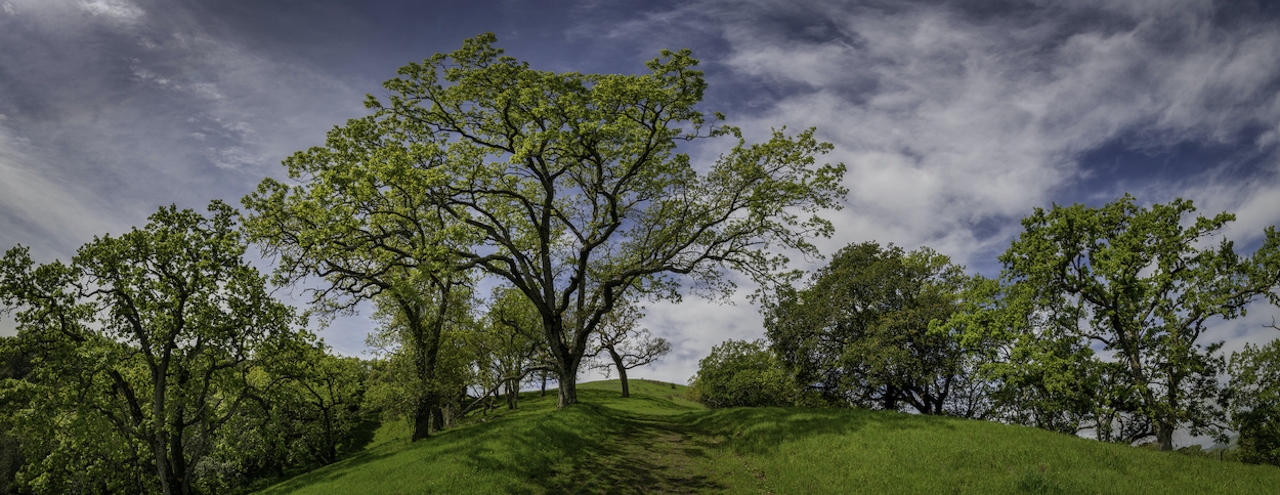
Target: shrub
740,373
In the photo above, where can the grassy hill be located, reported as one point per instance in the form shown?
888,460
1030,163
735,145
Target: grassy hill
657,442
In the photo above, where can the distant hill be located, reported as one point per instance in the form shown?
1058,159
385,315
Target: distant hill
658,442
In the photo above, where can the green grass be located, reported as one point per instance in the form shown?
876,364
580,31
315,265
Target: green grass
657,442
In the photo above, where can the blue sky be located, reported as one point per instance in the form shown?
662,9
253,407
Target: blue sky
954,118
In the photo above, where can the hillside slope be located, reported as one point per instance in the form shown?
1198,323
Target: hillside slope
657,442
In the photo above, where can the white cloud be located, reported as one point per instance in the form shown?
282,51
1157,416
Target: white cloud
233,158
945,122
45,212
148,76
115,10
242,128
954,127
206,90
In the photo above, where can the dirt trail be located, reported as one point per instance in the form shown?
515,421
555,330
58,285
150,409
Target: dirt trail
655,455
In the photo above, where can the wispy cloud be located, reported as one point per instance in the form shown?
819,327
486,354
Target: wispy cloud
114,10
955,122
38,209
130,119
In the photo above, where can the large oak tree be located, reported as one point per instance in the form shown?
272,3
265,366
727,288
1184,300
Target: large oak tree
566,186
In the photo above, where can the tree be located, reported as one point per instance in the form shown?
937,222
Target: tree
1136,282
415,318
365,221
566,186
1254,402
1041,374
304,413
628,347
739,373
148,337
321,395
512,345
860,333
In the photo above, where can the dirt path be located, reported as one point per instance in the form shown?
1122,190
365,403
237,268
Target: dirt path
656,455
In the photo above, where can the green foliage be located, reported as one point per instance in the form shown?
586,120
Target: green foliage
423,339
142,347
1137,282
1255,402
739,373
860,333
566,186
1046,379
509,346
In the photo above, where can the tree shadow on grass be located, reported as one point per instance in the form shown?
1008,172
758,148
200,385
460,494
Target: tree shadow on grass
361,436
589,448
609,445
763,430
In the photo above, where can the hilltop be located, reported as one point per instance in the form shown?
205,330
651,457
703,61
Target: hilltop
658,442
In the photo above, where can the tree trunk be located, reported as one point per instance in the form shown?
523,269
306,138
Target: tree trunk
568,356
162,463
422,417
544,383
160,439
178,457
1164,435
330,446
426,348
568,391
437,418
622,371
512,394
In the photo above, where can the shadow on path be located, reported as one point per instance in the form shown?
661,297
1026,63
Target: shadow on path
651,455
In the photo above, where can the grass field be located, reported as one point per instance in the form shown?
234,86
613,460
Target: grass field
657,442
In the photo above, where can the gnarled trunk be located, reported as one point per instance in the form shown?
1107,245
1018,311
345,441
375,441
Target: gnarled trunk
568,356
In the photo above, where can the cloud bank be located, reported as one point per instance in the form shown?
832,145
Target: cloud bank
957,119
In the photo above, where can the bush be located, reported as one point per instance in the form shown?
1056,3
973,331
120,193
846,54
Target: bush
739,373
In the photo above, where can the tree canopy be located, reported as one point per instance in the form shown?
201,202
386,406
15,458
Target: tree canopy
1254,401
145,344
569,187
1143,284
860,333
739,373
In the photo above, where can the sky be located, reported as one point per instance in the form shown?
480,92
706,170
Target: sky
955,119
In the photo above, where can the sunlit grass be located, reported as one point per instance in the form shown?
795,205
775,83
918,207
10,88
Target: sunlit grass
658,442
